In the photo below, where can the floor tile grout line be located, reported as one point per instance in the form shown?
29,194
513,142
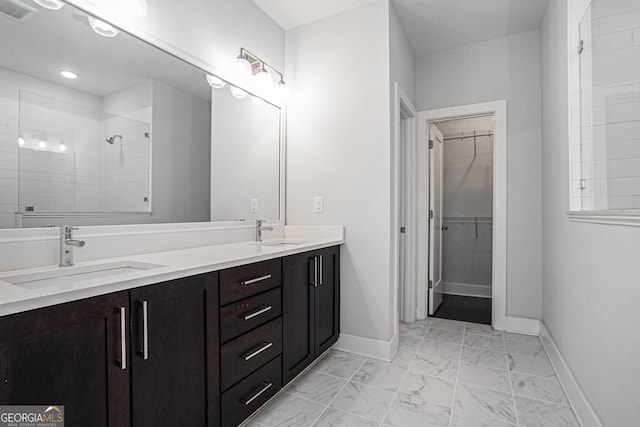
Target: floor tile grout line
338,393
513,396
455,385
542,400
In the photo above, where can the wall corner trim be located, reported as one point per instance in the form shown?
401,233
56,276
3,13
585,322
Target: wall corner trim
577,399
522,325
368,347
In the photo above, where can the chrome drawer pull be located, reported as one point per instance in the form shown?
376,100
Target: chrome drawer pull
253,353
266,387
262,309
145,331
257,279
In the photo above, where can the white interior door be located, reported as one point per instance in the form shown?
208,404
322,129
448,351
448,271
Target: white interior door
435,224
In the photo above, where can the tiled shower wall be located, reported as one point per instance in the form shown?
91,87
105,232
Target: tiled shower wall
90,175
606,105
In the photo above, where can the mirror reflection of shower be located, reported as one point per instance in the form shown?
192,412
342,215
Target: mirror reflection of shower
111,140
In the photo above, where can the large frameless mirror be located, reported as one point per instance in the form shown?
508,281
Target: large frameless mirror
98,127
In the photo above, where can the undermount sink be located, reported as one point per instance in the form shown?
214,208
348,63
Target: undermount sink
281,243
68,275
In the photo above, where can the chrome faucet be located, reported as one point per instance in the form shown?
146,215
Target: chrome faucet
67,243
260,228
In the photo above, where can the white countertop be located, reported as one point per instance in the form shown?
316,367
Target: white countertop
173,265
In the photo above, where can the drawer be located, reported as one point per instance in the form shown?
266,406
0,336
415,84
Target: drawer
242,316
248,395
246,280
250,351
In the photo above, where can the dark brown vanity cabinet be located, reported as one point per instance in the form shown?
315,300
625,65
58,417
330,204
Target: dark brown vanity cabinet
174,353
148,357
73,354
311,307
251,331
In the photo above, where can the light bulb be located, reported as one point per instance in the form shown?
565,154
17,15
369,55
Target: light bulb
258,102
264,79
244,66
133,9
42,144
102,28
237,92
62,147
50,4
215,82
21,141
68,74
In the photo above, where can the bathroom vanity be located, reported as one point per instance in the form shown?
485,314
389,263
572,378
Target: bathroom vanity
204,342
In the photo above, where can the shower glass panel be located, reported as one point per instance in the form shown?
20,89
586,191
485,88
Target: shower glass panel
66,164
607,155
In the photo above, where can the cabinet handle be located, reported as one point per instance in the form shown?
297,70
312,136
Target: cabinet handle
315,271
257,312
321,268
257,279
265,386
256,351
145,330
123,337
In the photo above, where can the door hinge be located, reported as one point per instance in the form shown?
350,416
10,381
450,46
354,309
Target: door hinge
430,144
430,214
403,229
580,47
147,135
430,284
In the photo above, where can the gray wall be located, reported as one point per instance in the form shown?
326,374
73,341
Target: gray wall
591,292
506,68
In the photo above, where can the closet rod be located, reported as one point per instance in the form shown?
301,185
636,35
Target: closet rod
463,136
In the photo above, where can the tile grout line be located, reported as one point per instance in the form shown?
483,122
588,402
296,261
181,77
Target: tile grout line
404,377
513,396
455,385
338,393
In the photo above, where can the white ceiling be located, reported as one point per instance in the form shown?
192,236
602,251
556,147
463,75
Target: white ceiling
430,25
293,13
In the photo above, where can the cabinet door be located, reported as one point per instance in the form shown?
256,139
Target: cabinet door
327,300
174,342
70,355
297,314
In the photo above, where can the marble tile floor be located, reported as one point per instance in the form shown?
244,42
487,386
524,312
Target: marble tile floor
446,373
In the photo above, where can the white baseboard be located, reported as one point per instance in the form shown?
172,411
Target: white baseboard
466,289
578,401
376,349
523,325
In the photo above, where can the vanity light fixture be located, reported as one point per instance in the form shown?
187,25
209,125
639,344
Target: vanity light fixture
42,144
68,74
62,147
102,28
260,69
237,92
215,82
50,4
21,140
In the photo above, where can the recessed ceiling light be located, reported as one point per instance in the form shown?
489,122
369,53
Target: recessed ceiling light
68,74
102,28
50,4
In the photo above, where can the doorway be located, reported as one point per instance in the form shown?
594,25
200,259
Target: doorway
476,267
461,197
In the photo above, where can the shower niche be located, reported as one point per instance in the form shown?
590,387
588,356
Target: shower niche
89,157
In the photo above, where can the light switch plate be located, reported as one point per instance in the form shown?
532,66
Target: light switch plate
254,205
318,204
